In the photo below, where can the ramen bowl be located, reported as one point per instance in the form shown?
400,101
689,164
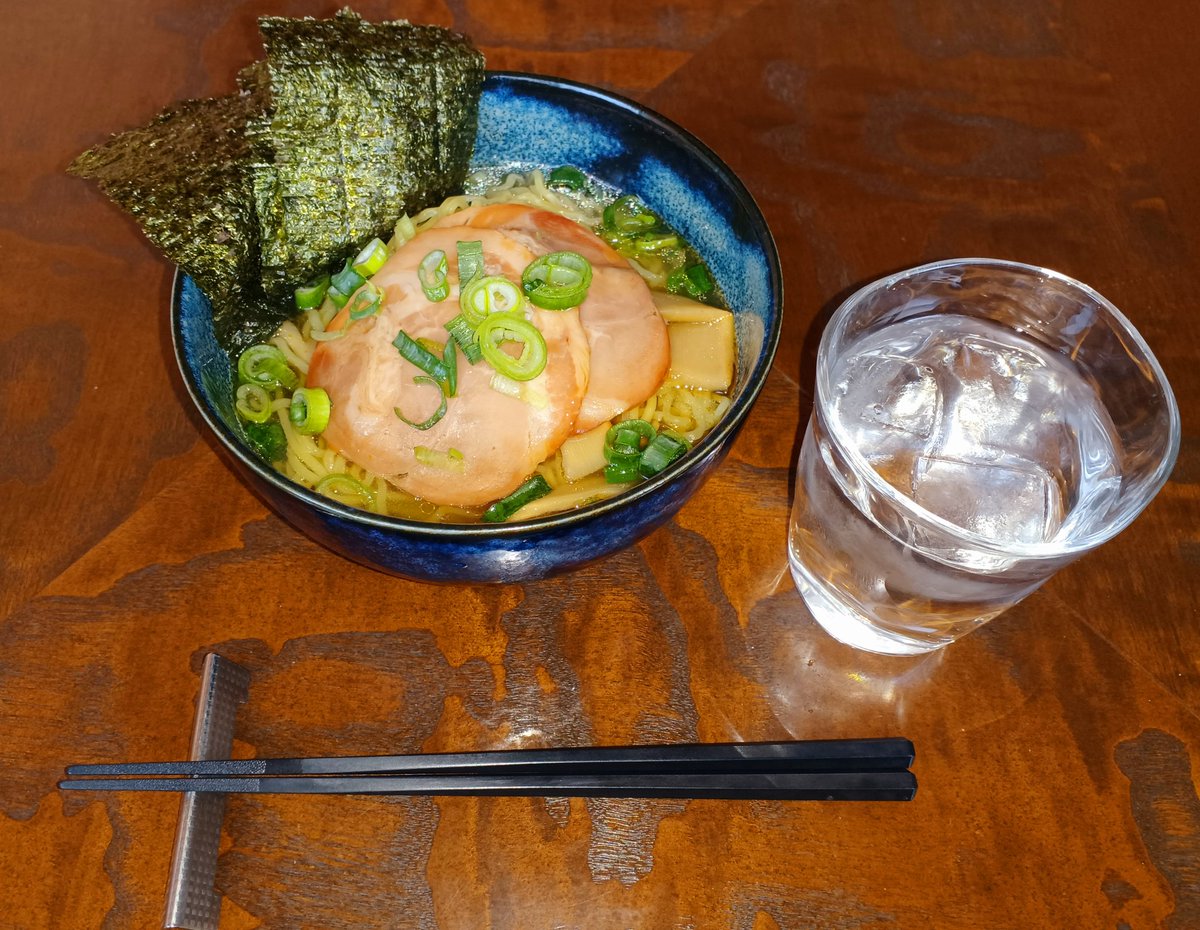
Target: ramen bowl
539,121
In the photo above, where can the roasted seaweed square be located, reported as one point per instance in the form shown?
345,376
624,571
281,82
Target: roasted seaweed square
367,122
345,126
185,178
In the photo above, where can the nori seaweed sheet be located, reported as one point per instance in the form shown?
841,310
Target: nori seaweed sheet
185,179
368,121
342,128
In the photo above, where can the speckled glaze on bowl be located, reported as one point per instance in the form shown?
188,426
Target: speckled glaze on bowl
547,121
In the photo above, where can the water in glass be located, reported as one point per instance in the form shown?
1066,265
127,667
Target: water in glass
979,427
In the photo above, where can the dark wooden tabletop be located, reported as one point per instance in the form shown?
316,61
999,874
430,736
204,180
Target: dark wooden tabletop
1058,749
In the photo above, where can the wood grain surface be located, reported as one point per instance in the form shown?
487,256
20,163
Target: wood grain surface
1058,749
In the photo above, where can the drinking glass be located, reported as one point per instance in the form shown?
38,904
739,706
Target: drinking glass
978,424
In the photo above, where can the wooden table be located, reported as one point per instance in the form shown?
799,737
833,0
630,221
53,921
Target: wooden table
1058,748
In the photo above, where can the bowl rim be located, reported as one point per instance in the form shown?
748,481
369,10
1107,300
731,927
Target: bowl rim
712,440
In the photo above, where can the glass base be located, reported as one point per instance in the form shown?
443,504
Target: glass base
848,625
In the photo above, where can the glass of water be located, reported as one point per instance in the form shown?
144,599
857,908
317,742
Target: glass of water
978,424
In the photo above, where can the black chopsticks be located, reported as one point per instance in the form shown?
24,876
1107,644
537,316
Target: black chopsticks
852,770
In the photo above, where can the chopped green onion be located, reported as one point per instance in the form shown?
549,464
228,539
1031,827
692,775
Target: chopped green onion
450,360
693,281
309,411
502,384
624,441
420,356
464,334
347,281
266,366
435,458
498,328
312,294
642,428
370,259
698,276
622,457
432,275
339,299
664,449
339,486
629,215
470,262
530,490
253,403
505,385
620,474
557,281
366,301
437,415
524,391
656,242
633,449
267,439
493,294
567,177
618,241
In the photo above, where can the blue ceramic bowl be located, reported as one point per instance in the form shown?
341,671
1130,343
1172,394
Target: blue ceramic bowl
546,121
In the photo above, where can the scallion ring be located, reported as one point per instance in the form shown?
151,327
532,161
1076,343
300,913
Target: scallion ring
347,281
664,449
253,403
557,281
484,296
654,242
309,411
620,474
267,439
312,294
339,486
432,274
693,281
370,259
567,177
464,334
628,436
700,281
629,215
452,460
470,262
266,366
499,328
365,302
437,414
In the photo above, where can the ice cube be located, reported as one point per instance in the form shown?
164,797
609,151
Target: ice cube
998,397
889,404
1010,500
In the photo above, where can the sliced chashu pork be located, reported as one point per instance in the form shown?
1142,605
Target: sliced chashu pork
630,352
501,438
